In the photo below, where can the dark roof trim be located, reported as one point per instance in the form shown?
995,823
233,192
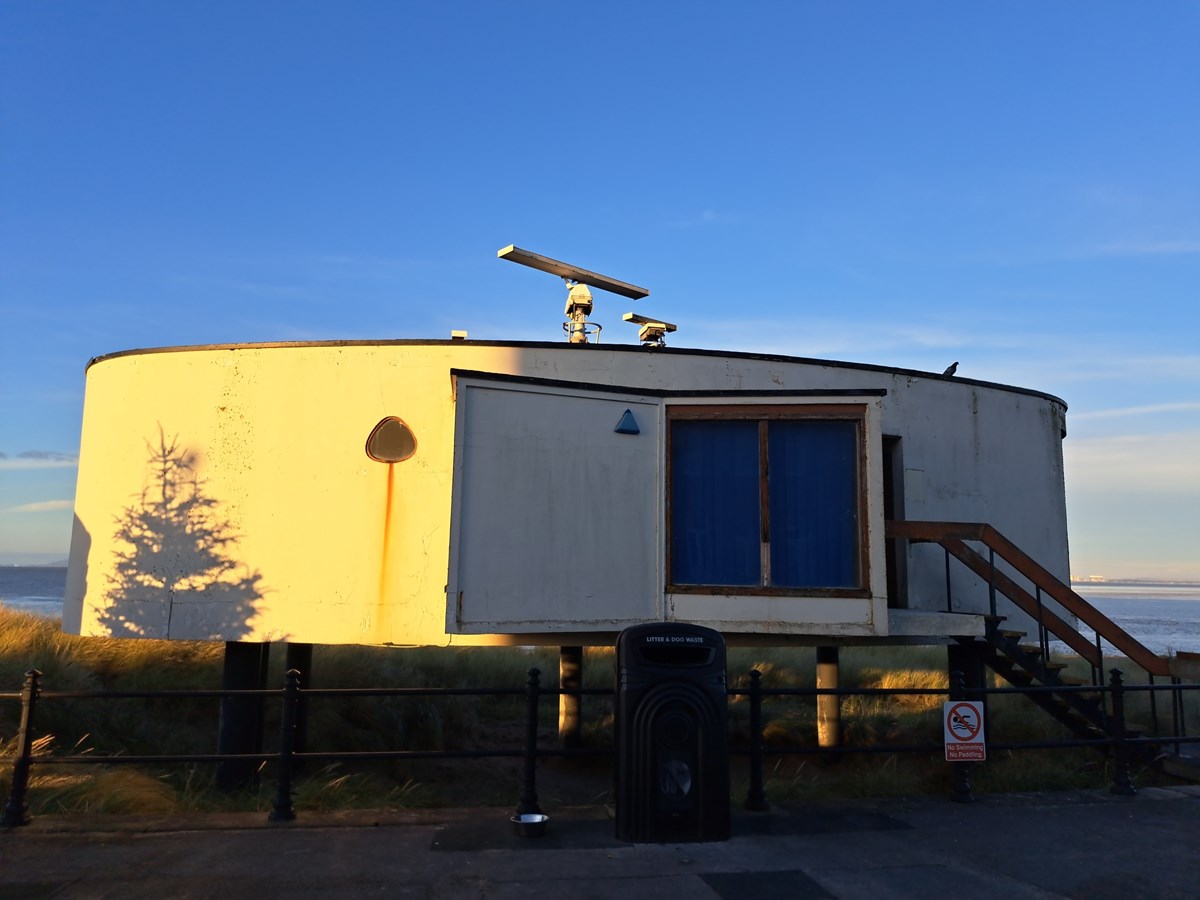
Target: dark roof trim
662,392
585,348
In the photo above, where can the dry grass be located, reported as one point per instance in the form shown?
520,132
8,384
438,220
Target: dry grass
337,724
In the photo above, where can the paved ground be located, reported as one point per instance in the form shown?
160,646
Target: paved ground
1078,844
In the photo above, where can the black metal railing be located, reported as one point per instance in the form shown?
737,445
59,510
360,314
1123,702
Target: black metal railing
1118,740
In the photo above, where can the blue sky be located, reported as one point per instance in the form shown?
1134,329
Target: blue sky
1014,186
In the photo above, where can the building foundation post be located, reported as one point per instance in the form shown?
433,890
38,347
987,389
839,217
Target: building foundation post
829,706
570,678
240,728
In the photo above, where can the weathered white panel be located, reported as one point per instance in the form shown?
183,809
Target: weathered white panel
778,615
555,521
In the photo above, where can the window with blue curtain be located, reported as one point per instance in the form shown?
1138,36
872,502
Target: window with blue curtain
813,477
801,532
714,503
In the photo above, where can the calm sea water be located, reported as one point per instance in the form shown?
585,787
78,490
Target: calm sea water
37,589
1163,617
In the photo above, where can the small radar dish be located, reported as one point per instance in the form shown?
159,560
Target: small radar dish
653,333
579,298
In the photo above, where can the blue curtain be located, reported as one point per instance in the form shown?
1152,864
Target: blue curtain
813,472
715,537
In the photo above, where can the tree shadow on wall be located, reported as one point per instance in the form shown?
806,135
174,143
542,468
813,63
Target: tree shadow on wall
177,576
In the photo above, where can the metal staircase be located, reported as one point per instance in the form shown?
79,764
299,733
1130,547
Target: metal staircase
1024,663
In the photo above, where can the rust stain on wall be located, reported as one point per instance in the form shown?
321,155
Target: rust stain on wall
381,611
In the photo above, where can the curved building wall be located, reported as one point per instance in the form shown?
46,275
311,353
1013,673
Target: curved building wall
226,493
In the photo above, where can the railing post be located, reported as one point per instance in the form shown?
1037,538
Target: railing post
756,797
949,597
1043,634
529,800
283,810
299,656
1178,718
960,789
15,811
1153,705
1122,782
992,580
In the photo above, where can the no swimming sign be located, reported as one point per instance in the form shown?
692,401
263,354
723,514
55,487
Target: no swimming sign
964,731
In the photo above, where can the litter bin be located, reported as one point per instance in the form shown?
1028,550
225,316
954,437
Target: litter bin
672,735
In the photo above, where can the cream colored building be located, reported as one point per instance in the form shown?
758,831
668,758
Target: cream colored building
460,492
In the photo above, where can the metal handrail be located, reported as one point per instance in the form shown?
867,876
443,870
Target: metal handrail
15,812
951,536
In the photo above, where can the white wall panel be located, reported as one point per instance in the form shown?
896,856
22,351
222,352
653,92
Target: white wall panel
556,515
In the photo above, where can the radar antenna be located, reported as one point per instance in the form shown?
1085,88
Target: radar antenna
653,333
579,298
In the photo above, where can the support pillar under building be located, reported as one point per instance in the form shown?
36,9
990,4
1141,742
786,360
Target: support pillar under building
240,729
829,706
570,678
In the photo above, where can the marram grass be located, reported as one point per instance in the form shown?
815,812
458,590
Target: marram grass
183,726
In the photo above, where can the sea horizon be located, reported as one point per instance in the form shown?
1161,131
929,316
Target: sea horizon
1162,615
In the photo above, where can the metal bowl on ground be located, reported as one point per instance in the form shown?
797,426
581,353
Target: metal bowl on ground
529,824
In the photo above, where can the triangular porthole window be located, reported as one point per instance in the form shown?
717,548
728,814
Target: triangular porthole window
391,441
628,424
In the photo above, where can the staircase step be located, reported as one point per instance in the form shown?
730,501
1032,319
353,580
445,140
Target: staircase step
1080,707
1085,699
1081,713
1084,722
1071,680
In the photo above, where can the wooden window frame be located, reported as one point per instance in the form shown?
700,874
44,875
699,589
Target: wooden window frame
764,414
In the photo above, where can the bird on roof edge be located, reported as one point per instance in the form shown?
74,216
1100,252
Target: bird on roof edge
953,367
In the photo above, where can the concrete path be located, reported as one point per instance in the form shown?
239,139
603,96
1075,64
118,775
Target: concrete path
1085,844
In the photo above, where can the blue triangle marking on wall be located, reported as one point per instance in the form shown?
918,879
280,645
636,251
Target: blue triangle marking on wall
628,424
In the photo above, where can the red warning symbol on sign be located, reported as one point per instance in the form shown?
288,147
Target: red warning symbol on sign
964,731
